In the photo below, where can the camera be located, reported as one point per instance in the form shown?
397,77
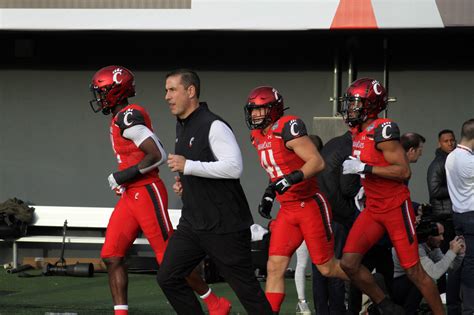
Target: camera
427,225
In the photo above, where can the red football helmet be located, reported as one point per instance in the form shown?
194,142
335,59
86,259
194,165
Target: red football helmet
364,99
110,86
264,97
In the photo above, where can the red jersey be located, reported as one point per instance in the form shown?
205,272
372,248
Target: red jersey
278,160
126,152
382,193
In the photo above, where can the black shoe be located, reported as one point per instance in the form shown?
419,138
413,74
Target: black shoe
387,307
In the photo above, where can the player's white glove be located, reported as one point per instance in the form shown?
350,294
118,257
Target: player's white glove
112,182
355,166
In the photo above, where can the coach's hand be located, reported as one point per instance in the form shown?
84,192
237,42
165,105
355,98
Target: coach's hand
266,204
355,166
176,163
178,186
284,183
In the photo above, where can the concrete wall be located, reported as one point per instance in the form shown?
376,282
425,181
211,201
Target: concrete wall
56,151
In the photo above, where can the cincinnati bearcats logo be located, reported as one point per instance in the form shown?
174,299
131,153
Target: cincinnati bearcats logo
385,130
376,85
293,128
116,73
125,118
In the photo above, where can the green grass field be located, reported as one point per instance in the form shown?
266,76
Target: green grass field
57,294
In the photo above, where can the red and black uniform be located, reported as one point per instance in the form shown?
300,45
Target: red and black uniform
304,213
144,201
388,207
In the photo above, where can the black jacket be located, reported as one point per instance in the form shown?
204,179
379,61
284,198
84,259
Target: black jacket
215,205
339,189
438,186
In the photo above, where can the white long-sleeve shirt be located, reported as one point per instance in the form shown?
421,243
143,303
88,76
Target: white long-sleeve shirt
460,176
226,151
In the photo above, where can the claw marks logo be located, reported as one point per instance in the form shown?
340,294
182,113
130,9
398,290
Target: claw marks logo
377,87
387,130
276,93
191,142
294,128
116,73
128,113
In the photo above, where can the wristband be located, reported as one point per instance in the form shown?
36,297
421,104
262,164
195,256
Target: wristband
127,174
295,177
368,169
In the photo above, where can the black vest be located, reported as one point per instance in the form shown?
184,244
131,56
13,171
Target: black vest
214,205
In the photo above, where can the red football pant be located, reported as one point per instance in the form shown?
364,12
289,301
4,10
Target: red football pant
309,220
140,208
398,222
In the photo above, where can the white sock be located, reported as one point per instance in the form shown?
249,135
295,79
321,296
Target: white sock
302,257
205,295
121,307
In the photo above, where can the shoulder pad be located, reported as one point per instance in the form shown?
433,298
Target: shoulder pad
385,131
292,129
130,117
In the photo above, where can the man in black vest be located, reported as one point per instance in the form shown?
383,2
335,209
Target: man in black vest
215,218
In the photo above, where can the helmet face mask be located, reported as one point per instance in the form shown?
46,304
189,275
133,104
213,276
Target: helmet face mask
269,102
111,86
364,99
99,102
352,110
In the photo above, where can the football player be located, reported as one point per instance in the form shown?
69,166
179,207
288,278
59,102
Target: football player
380,159
291,160
143,203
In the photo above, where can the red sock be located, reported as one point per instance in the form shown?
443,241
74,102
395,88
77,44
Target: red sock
275,299
211,300
121,310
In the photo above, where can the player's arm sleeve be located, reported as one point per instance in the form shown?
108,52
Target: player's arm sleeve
293,129
386,131
138,134
226,151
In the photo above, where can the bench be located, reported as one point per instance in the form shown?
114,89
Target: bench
85,218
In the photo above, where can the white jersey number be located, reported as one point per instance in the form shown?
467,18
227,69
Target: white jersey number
268,163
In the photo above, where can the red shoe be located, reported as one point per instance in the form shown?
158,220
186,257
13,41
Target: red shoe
222,308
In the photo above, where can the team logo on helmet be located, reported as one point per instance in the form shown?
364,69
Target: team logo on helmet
116,73
365,98
111,86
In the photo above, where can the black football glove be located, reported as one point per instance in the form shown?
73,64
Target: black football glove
266,204
284,183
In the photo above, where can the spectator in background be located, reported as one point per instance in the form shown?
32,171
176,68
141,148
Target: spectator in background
460,178
413,145
442,208
436,177
435,263
329,293
302,258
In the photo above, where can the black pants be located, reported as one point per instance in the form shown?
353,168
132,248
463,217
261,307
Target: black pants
329,293
379,257
406,294
230,252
